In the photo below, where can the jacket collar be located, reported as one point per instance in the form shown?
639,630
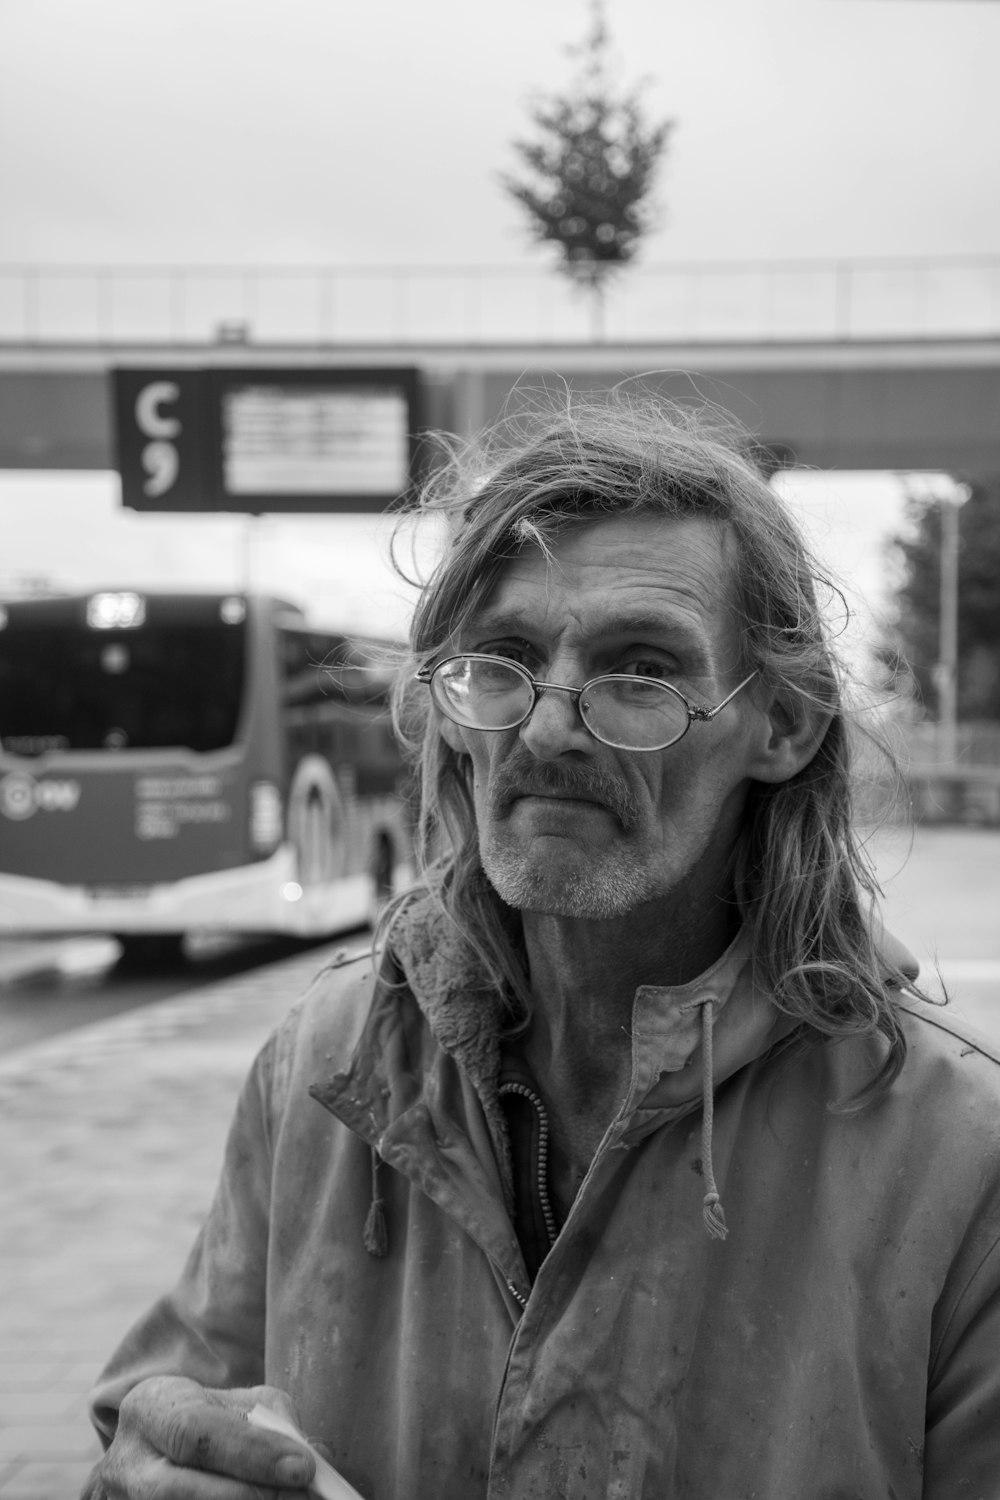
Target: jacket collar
686,1040
466,1017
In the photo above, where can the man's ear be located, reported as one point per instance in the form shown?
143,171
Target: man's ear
791,732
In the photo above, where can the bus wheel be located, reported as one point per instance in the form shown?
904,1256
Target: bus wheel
383,876
150,950
314,844
316,823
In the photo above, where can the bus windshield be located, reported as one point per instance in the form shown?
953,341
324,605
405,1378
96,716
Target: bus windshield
66,687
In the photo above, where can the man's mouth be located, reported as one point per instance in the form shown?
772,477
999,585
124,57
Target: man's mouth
579,798
520,778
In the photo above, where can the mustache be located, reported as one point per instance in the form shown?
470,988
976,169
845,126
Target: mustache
521,775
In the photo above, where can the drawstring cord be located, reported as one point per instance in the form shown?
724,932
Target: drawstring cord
376,1235
711,1206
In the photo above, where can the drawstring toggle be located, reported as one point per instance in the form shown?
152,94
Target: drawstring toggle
711,1206
375,1236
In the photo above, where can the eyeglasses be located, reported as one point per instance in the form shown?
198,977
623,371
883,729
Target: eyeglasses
626,712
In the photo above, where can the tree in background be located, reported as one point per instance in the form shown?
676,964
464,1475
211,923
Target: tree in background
918,552
590,170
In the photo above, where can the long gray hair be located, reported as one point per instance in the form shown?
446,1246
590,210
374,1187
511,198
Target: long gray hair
804,886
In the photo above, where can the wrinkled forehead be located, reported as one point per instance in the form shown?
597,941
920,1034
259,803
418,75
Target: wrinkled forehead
641,545
645,567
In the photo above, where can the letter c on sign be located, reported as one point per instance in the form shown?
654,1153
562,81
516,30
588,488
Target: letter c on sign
147,410
160,458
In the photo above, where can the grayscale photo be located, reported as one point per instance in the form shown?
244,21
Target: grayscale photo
500,750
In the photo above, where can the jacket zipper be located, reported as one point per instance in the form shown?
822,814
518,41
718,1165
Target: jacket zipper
518,1297
542,1171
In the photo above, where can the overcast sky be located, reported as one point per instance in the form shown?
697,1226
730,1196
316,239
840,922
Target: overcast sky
304,131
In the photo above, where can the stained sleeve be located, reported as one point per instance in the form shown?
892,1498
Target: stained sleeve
962,1446
210,1326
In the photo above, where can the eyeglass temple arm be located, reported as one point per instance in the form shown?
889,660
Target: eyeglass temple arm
705,715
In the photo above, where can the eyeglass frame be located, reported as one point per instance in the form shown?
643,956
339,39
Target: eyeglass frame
696,712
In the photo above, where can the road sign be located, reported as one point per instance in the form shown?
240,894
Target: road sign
261,440
160,420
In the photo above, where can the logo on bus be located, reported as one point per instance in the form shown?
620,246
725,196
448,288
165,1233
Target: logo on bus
21,796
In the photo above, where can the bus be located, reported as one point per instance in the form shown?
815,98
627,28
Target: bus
178,762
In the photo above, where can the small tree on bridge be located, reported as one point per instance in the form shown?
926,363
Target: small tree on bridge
590,171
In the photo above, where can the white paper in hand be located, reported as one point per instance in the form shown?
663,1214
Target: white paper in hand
328,1484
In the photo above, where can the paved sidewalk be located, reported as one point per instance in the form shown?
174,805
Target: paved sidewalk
112,1140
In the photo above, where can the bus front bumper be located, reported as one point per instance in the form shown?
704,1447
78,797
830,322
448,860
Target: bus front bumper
262,897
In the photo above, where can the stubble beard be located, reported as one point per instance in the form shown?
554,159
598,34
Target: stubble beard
606,885
609,885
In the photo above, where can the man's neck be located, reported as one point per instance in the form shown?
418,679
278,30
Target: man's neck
584,975
591,969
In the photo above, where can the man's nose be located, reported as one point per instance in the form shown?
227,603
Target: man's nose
555,727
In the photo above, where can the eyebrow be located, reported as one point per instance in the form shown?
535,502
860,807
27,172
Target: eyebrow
633,625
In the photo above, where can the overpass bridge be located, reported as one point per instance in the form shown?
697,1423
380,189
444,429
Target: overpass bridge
882,364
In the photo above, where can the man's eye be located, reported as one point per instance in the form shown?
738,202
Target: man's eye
516,651
644,666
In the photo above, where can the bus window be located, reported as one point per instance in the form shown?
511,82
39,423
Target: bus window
304,655
124,820
319,667
66,687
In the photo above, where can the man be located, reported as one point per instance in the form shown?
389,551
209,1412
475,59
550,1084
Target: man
629,1170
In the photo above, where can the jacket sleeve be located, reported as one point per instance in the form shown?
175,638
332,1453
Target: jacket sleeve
962,1447
211,1325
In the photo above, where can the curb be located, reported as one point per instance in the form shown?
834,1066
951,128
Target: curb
20,957
169,1017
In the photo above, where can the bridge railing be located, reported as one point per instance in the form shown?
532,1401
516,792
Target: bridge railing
732,301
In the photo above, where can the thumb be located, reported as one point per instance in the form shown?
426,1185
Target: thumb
247,1397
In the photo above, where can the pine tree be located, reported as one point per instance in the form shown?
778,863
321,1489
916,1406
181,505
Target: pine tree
591,168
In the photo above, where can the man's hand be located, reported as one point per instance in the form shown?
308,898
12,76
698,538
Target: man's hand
178,1441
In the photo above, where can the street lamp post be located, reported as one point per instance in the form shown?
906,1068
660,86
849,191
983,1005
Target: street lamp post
950,497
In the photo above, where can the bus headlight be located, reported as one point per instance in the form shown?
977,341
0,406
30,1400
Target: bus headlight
115,611
265,817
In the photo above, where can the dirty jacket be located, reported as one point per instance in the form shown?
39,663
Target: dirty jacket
843,1343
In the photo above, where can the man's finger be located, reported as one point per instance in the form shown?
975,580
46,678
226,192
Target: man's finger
167,1482
196,1434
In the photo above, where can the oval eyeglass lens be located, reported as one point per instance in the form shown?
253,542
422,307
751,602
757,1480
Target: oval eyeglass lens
637,713
485,693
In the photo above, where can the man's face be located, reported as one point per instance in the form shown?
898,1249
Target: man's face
569,826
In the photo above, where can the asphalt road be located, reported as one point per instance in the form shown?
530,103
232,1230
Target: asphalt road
50,987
